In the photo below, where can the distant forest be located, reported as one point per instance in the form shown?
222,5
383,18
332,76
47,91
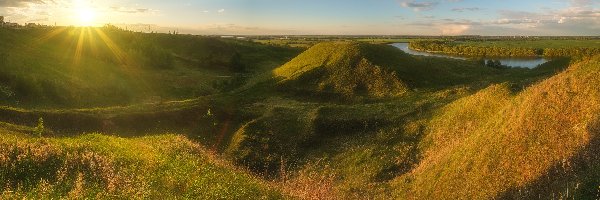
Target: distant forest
451,47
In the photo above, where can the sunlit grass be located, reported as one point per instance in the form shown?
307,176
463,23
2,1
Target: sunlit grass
461,131
487,145
98,166
93,66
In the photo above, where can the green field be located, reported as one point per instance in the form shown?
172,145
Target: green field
537,44
104,113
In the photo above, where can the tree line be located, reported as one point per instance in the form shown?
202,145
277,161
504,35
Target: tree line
449,47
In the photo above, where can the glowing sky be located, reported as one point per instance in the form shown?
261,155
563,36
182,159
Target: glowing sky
395,17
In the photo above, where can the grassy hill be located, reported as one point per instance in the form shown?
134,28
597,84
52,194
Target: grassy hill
361,69
404,127
108,167
66,67
540,143
343,68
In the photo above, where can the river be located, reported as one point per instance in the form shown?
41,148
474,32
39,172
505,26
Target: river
507,61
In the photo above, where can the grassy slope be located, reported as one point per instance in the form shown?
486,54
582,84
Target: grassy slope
530,139
354,149
349,150
106,167
351,68
89,67
341,68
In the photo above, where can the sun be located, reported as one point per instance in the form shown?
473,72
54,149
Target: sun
86,16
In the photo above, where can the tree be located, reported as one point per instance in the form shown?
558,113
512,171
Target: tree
495,64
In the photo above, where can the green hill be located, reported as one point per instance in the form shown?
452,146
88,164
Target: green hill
542,142
422,128
352,68
344,68
108,167
65,67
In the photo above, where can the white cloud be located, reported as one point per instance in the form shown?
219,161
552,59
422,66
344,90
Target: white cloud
466,9
131,10
562,20
454,29
418,5
221,11
583,3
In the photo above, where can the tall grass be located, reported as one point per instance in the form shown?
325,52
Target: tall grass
513,143
106,167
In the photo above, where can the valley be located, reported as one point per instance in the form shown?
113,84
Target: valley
110,113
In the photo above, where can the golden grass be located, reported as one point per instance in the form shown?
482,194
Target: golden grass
105,167
511,143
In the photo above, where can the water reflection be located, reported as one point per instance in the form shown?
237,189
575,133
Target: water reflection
507,61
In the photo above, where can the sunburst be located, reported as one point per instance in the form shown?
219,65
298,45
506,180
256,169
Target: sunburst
85,13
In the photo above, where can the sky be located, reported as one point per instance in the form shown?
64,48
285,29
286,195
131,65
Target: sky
319,17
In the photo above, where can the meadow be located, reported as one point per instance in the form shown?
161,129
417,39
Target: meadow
106,113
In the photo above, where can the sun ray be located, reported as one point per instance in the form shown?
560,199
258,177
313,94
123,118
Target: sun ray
79,48
128,65
45,37
70,43
49,35
92,42
114,48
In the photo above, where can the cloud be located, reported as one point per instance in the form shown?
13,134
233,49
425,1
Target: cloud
571,14
580,17
448,26
19,3
38,20
454,29
221,11
130,10
428,16
583,3
418,6
567,21
466,9
562,20
236,29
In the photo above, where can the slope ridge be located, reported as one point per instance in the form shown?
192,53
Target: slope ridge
520,143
